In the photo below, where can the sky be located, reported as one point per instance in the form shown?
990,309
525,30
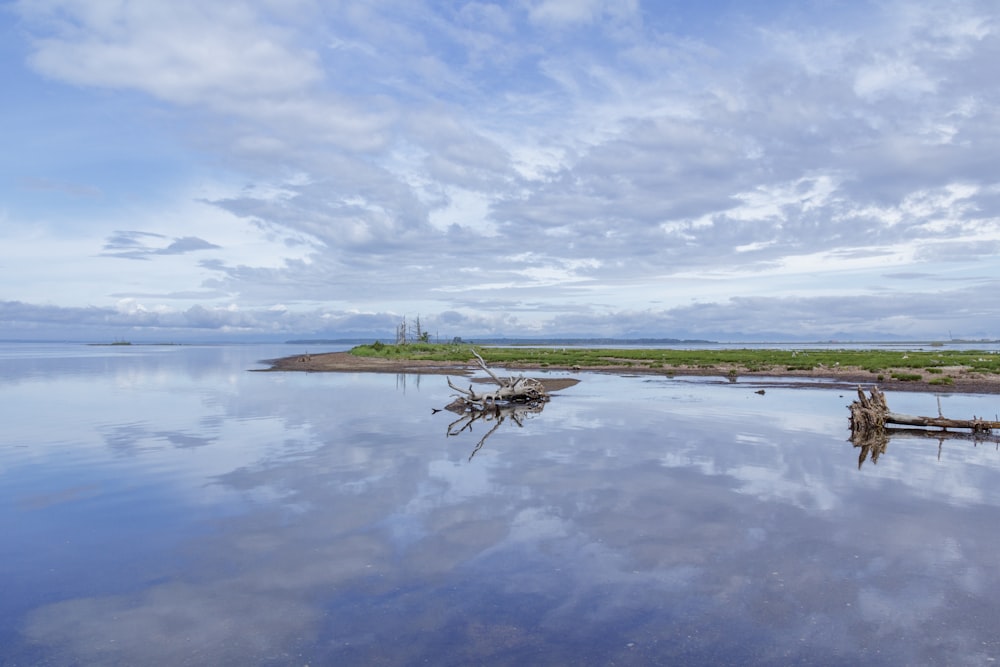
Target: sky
287,169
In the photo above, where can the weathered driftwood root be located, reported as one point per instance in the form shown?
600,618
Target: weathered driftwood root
868,413
518,390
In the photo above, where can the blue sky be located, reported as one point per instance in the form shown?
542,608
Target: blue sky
290,169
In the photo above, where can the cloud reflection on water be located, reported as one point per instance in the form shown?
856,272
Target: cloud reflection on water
631,522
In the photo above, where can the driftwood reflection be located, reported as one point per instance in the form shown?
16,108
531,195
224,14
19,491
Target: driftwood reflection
514,398
494,416
872,444
871,431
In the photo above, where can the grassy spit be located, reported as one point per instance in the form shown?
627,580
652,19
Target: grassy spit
936,363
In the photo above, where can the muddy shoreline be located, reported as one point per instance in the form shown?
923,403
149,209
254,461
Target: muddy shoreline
963,381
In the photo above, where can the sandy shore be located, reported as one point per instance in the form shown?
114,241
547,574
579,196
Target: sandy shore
963,380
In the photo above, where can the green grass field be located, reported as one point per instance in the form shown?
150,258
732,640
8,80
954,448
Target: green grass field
747,359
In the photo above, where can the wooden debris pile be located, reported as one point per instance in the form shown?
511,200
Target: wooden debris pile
509,390
514,398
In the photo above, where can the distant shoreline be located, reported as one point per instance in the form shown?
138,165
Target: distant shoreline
843,378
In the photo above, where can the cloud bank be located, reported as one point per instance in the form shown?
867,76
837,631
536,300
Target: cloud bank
538,168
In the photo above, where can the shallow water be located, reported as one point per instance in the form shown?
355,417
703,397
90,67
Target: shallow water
163,505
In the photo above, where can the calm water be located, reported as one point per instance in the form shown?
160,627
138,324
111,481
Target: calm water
163,505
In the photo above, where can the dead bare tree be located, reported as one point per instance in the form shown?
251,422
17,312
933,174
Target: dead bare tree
401,332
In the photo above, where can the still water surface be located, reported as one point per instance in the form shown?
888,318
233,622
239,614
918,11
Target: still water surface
164,505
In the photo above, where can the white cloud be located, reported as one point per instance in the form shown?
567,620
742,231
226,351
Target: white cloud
183,52
574,12
887,76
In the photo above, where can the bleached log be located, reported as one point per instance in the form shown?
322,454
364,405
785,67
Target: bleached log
976,425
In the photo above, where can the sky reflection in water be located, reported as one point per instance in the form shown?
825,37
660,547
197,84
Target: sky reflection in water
166,505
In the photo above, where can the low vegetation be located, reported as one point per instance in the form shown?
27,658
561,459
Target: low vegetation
898,364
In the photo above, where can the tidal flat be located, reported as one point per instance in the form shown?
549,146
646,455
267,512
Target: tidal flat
166,506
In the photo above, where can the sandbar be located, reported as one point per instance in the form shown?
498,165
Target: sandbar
963,380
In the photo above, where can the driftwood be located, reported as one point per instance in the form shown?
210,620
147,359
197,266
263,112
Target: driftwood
873,425
870,413
509,390
513,398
